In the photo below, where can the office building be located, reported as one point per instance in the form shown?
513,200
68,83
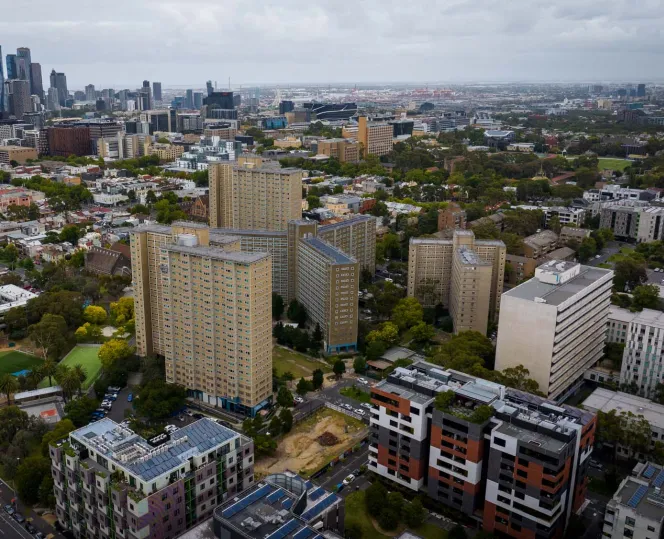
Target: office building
189,99
286,106
20,154
66,140
554,325
402,128
165,152
219,100
12,71
513,462
375,138
262,197
59,82
110,482
346,151
23,61
2,85
36,84
475,291
641,90
209,88
452,217
198,100
38,139
156,91
157,120
281,505
90,93
223,130
17,94
643,358
331,111
206,307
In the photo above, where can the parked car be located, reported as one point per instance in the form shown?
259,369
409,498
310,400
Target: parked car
40,535
130,397
114,389
359,411
348,407
9,508
111,396
170,428
366,405
30,528
594,464
18,517
362,381
349,479
198,415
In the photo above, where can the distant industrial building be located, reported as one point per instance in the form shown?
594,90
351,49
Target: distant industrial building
331,111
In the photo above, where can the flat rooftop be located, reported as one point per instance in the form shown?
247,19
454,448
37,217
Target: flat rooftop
607,400
342,224
131,452
279,507
219,254
642,493
532,437
248,232
469,257
333,254
555,294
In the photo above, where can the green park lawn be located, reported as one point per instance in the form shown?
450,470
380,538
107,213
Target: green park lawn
610,163
87,357
15,361
356,511
285,360
356,393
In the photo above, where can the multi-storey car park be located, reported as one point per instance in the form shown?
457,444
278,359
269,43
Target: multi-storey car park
110,482
513,461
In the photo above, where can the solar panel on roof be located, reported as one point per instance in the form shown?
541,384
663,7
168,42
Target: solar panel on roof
659,480
637,496
287,528
276,495
304,533
309,485
650,471
287,503
319,507
317,493
246,501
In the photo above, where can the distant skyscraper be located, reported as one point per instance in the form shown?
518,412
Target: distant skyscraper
18,97
36,84
11,67
90,93
23,61
189,100
220,100
198,100
59,81
286,106
208,85
53,99
2,85
156,91
641,90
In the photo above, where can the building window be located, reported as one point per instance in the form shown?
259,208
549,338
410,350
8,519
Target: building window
499,441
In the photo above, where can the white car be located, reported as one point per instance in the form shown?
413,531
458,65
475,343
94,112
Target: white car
170,428
366,405
348,407
107,404
359,411
362,381
349,479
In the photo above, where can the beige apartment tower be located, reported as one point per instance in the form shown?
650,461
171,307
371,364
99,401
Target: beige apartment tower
205,306
259,197
375,138
340,148
453,272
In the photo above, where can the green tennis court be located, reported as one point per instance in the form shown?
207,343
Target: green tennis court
88,358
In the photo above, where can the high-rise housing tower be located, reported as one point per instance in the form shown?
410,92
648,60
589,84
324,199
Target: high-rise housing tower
12,73
262,197
90,93
156,91
18,97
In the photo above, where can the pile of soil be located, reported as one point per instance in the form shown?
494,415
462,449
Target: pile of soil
327,439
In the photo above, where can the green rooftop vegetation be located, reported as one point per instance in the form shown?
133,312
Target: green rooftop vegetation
445,402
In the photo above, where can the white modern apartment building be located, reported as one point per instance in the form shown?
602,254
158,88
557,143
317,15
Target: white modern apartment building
617,324
637,508
554,325
643,364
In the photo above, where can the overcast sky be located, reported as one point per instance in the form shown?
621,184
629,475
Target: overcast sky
118,43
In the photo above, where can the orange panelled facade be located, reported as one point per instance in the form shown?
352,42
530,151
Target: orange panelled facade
467,487
403,406
588,434
474,448
415,470
536,476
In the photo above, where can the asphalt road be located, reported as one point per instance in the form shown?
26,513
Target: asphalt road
337,474
9,528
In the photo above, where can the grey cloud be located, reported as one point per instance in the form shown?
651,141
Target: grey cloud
252,41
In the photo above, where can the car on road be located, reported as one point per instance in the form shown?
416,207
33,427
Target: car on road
349,479
40,535
362,381
357,472
598,256
111,396
130,397
107,404
18,517
348,407
198,415
9,509
299,400
594,464
114,389
366,405
656,270
359,411
30,528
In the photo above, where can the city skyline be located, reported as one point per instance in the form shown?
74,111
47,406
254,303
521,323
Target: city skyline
526,42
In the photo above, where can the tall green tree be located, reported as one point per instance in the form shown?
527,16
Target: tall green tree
277,306
9,385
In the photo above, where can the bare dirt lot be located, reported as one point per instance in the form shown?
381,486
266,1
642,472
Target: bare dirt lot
301,452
